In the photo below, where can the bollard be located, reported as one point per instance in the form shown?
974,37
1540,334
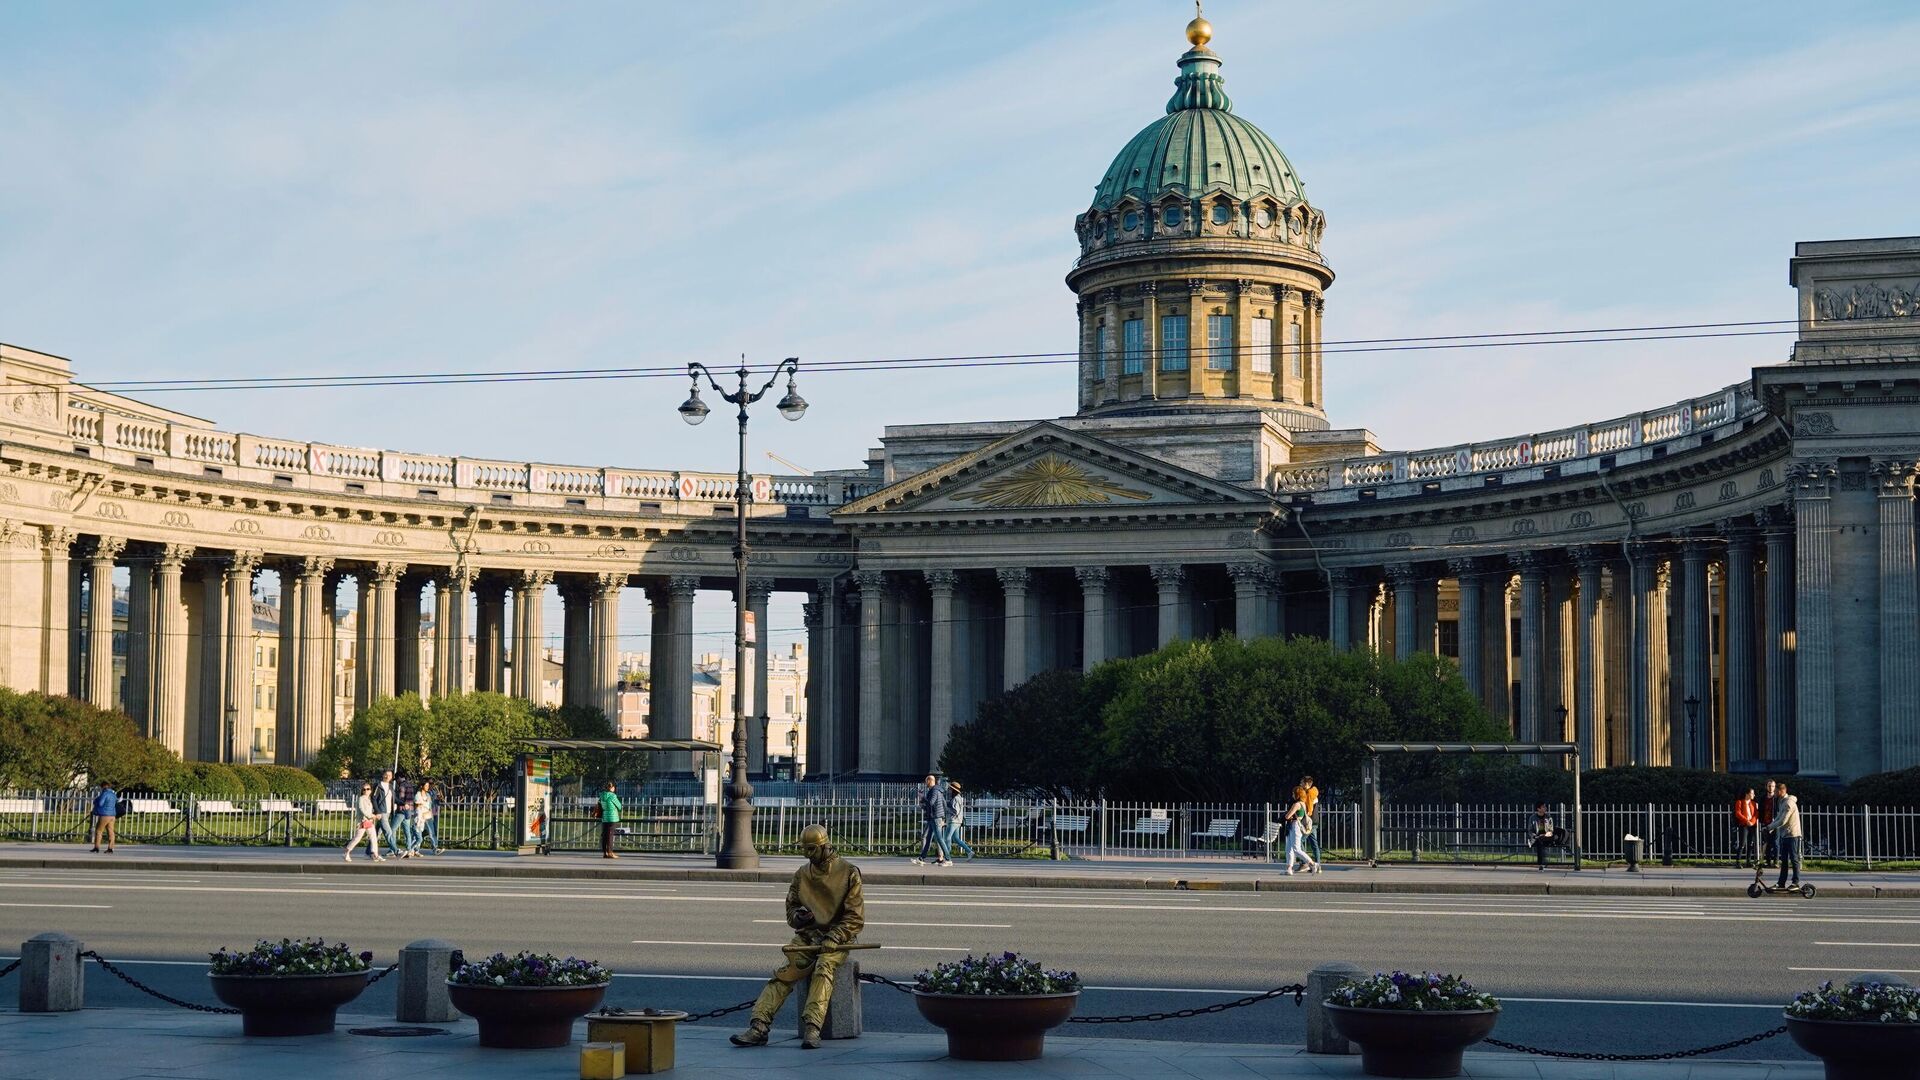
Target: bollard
843,1009
422,997
1321,981
50,975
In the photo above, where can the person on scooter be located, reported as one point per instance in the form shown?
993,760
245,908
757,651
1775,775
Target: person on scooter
1786,836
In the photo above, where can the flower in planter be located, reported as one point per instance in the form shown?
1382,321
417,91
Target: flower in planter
1007,973
531,969
290,957
1866,1003
1426,992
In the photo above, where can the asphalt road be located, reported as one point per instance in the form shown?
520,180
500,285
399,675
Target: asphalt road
1620,974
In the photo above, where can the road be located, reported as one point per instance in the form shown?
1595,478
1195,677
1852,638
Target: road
1623,974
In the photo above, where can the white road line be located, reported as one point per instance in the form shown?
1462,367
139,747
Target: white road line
941,925
1857,971
774,945
90,907
1875,944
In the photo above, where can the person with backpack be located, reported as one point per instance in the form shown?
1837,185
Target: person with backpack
106,814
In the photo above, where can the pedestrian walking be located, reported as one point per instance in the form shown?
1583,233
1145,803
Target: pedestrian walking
1786,835
426,815
1299,828
106,815
369,825
609,819
1769,806
956,819
1544,835
1305,792
409,828
383,808
933,825
1746,829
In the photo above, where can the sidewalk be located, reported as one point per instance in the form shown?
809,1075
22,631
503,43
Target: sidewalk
124,1044
1226,875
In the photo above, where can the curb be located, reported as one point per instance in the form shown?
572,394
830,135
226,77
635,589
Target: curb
412,868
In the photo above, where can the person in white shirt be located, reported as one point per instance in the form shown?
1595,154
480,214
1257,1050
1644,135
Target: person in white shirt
1786,835
368,827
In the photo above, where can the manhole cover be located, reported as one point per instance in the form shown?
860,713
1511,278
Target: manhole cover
396,1032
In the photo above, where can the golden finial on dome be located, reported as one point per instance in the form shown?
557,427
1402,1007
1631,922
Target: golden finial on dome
1199,31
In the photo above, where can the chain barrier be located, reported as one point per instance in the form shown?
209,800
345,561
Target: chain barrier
1297,990
110,969
390,969
715,1013
1580,1055
9,969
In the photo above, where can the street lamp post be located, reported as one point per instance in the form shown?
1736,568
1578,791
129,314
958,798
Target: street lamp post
1693,746
736,846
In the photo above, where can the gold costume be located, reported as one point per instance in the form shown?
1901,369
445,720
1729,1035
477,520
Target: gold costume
825,906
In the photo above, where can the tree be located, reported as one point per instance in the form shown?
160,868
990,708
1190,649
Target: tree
466,739
1039,739
48,743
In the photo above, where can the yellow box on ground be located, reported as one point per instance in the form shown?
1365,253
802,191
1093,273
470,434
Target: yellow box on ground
603,1061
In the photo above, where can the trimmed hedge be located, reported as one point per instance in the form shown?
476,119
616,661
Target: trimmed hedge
205,779
252,780
287,782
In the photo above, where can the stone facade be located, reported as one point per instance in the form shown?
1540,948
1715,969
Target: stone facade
1727,581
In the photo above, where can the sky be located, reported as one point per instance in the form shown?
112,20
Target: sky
263,188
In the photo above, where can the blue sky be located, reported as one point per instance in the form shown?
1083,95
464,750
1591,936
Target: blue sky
267,188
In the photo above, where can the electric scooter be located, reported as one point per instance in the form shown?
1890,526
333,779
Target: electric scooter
1760,887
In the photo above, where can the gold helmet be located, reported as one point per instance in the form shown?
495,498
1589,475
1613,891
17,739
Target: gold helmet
813,836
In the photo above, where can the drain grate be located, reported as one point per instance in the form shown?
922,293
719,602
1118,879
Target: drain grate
396,1032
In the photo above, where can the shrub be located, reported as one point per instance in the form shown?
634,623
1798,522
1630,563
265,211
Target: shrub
531,969
1900,788
252,780
287,957
1425,992
1008,973
51,743
287,782
205,779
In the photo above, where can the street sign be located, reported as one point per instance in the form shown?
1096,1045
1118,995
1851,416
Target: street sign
753,629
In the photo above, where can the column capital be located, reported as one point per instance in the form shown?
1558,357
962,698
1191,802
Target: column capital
1695,552
940,580
1093,577
873,581
1014,578
57,538
107,548
1529,563
609,583
1662,575
758,589
388,573
1252,573
1465,569
316,567
1590,557
679,587
1339,577
812,614
1810,479
1167,573
1402,574
1147,288
1243,286
1737,534
173,557
1893,477
461,578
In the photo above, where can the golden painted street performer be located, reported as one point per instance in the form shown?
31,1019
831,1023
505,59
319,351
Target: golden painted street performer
826,909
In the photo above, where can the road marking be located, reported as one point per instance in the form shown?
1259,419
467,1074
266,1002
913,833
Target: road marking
1859,971
694,978
771,945
1875,944
1663,1004
90,907
942,925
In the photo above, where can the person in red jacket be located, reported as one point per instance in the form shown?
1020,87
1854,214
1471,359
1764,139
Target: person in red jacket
1746,829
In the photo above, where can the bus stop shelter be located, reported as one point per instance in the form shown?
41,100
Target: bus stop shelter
533,779
1370,831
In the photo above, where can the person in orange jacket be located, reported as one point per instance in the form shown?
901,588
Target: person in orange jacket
1746,829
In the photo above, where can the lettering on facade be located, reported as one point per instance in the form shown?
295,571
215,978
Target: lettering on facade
1814,423
1461,534
1525,527
1580,519
1767,479
1729,491
176,519
1636,511
609,551
111,510
1050,480
537,547
246,527
1867,300
1240,540
389,538
1683,501
1400,540
58,499
833,558
317,532
9,492
682,554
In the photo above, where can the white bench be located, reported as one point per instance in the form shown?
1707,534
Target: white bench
1220,828
978,819
1269,837
1072,824
151,806
278,806
332,806
1156,823
217,806
22,806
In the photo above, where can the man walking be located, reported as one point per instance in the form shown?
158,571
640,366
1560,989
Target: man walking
933,825
1786,836
383,806
106,813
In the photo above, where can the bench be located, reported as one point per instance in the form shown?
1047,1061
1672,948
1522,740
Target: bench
1269,836
217,806
278,806
151,806
22,806
332,806
978,819
1220,828
1159,825
1072,824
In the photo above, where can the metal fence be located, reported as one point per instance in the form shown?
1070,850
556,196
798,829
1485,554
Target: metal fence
994,828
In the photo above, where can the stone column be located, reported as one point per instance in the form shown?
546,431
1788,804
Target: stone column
1589,678
137,691
442,639
1249,580
576,642
1406,585
100,682
1616,613
459,593
1813,595
1644,695
381,629
1533,657
1780,651
940,720
1094,640
820,671
1150,373
313,718
489,634
1497,653
363,640
286,712
207,727
169,704
1899,618
406,636
1743,717
1014,581
1696,651
529,594
1466,576
1660,669
56,605
1340,608
236,696
606,644
872,587
759,590
1167,579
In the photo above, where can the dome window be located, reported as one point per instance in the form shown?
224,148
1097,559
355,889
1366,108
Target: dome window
1130,221
1263,217
1222,214
1172,217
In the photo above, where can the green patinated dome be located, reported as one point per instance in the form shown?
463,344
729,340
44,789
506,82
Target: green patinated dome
1200,147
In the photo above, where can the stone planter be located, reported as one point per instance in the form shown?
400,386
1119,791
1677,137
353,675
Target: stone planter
525,1017
1855,1050
996,1027
277,1005
1406,1043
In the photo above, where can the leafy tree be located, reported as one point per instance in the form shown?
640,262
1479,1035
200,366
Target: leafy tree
1039,739
49,743
466,739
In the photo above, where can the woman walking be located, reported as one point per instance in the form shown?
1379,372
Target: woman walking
426,816
1299,827
368,825
956,818
609,820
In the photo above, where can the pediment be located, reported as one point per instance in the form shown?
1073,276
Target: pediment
1048,469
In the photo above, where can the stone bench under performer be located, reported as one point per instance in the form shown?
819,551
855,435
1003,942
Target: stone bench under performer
826,908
